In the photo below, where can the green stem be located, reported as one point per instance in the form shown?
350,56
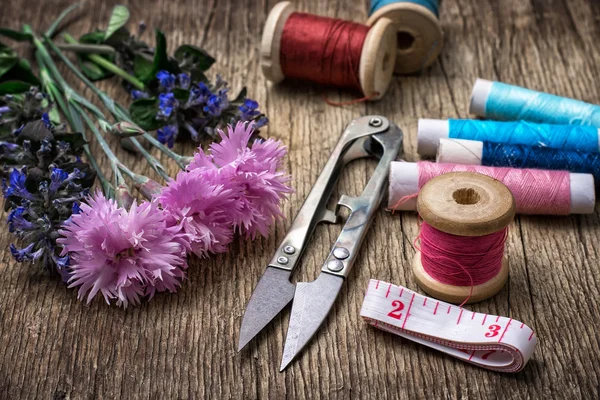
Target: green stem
108,102
52,29
114,161
87,48
109,66
75,124
117,110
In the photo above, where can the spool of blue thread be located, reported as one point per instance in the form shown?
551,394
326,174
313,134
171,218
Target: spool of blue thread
497,100
490,154
566,137
420,36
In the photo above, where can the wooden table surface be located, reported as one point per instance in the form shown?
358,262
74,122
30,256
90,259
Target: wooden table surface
52,346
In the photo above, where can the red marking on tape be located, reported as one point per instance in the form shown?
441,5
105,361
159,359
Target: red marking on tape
472,354
459,315
425,301
498,318
388,291
530,336
436,306
401,291
408,311
449,307
522,325
473,316
484,318
377,286
505,329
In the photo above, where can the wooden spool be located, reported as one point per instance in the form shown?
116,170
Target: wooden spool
464,204
376,62
419,35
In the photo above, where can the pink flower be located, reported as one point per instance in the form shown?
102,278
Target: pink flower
254,171
200,205
123,254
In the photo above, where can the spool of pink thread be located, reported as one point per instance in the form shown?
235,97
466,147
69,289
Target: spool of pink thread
536,191
460,257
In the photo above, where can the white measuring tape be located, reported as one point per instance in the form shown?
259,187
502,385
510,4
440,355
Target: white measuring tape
489,341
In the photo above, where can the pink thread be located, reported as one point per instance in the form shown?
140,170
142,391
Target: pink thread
536,191
460,260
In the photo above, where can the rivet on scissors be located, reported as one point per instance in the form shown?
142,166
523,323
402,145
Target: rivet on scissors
335,265
289,249
375,122
341,253
283,260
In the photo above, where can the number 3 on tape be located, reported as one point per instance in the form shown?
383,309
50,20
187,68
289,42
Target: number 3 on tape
497,343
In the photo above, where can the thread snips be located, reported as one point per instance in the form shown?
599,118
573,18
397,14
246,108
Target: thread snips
369,136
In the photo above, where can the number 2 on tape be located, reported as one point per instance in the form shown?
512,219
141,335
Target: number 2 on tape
501,344
395,313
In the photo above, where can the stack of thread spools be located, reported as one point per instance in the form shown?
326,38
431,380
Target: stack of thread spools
402,36
544,148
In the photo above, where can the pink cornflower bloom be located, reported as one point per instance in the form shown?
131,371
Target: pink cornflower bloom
254,171
122,254
201,206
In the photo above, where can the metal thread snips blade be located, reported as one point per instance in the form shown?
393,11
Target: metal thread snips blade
273,292
312,302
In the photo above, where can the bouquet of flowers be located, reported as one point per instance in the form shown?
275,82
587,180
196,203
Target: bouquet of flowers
104,241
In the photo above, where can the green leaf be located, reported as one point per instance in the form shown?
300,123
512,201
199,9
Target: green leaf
192,57
241,96
8,59
94,37
93,71
141,66
76,139
12,87
118,19
181,95
16,35
160,61
143,112
21,72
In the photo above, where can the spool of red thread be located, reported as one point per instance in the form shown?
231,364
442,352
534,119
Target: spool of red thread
461,244
328,51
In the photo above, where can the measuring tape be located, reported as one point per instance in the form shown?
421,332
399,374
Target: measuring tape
489,341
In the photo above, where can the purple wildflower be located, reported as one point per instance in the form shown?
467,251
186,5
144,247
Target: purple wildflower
122,254
166,80
167,134
167,103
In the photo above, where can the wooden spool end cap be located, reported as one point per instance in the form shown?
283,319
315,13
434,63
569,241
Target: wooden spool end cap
377,59
419,35
466,204
458,294
270,46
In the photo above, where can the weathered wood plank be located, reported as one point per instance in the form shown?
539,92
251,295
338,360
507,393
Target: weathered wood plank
183,345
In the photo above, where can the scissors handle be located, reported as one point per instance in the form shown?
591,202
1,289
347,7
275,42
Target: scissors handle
352,145
346,248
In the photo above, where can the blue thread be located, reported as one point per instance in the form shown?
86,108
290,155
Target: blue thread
507,102
566,137
519,156
431,5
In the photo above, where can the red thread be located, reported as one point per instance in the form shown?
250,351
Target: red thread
460,260
323,50
536,191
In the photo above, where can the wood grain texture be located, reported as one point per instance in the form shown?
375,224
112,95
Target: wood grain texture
183,345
